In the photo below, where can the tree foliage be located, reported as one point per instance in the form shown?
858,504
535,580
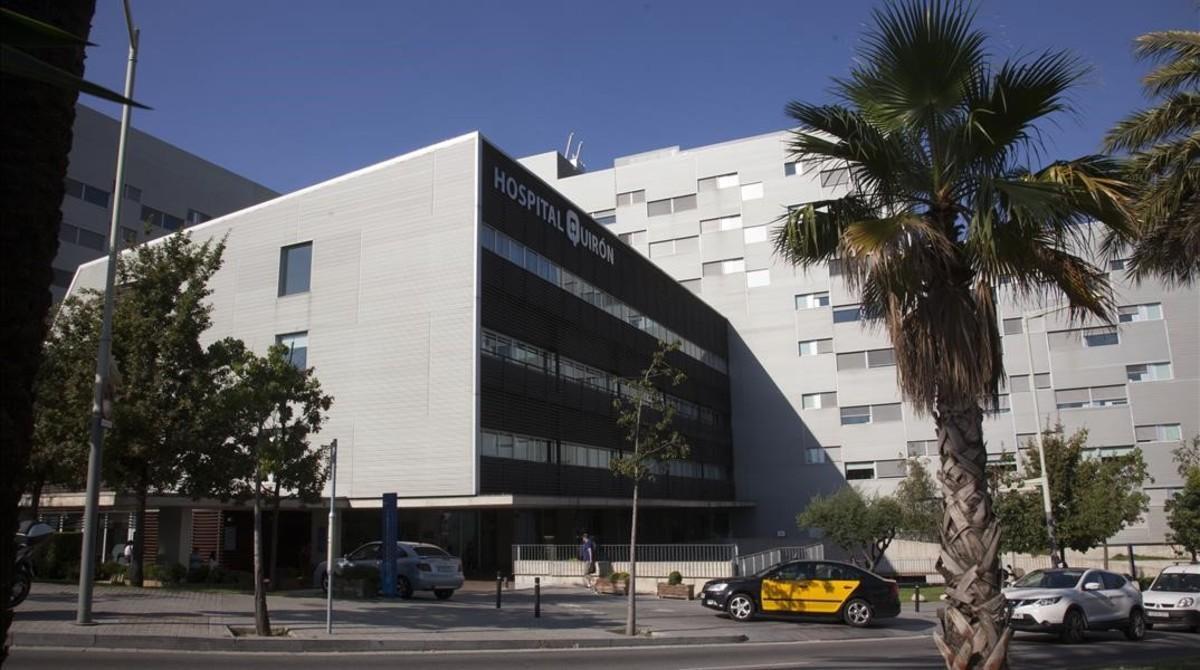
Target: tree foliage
1164,142
648,422
1183,508
1092,497
920,504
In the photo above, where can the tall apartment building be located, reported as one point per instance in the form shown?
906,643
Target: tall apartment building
814,398
166,189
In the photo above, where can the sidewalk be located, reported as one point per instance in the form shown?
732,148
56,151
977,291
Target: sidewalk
189,620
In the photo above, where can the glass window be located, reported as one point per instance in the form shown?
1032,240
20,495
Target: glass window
1018,383
1042,380
1163,432
854,360
886,412
718,182
791,169
818,400
683,203
95,195
812,300
881,358
752,191
1072,398
606,217
297,344
1012,326
658,207
1100,337
998,404
754,235
133,193
195,216
847,313
814,455
816,347
62,278
1148,372
860,470
834,178
756,278
295,268
73,188
1148,312
68,233
722,223
91,240
1118,264
856,415
129,235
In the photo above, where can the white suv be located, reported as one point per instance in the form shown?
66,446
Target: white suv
1071,601
1174,597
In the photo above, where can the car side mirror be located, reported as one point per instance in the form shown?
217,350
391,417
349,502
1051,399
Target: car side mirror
1091,586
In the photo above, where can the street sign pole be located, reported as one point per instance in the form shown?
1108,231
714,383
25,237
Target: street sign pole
329,538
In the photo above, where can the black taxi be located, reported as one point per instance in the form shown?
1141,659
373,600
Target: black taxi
809,588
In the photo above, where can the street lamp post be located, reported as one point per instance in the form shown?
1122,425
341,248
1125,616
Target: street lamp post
1044,480
329,537
87,563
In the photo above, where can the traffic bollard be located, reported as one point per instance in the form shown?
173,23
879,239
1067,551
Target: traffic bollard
499,585
917,596
537,597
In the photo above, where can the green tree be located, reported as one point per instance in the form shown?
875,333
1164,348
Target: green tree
920,503
863,525
1183,508
1164,142
647,419
942,205
1093,497
265,409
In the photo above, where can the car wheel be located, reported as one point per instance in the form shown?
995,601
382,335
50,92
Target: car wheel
1136,629
741,607
443,594
858,613
403,588
21,584
1073,627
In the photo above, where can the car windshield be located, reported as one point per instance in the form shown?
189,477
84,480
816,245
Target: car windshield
431,551
1177,581
1049,579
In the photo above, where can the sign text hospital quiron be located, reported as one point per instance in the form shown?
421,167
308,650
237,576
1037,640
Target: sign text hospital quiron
567,224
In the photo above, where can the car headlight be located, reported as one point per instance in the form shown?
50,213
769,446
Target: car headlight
1186,602
1042,602
716,588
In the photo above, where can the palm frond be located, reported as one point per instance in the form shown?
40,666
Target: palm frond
1173,77
1168,44
810,234
1179,114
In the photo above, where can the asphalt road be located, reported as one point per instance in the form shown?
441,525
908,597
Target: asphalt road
1030,651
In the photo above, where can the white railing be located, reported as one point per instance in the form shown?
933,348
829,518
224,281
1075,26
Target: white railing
619,553
751,564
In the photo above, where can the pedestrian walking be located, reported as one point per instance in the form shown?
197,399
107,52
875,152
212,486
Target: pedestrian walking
587,554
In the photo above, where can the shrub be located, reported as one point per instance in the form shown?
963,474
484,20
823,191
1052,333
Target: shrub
619,577
217,575
58,556
674,578
110,570
198,574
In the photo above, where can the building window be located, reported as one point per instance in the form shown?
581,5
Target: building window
819,400
68,233
517,447
847,313
1160,432
295,268
816,347
752,191
718,182
683,245
1041,380
815,455
723,223
791,168
86,192
297,344
853,360
856,414
195,216
133,193
631,198
922,448
634,238
1100,337
834,178
584,456
1148,372
1151,311
754,235
1106,453
1118,264
73,188
1096,396
1001,403
870,414
605,217
674,205
757,278
881,358
692,285
1012,326
91,240
860,470
155,217
725,267
62,278
129,236
812,300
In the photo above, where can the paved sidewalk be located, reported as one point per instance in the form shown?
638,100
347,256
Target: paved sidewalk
165,619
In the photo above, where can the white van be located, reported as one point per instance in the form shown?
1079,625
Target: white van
1174,597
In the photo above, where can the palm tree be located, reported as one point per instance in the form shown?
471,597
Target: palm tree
943,206
1165,142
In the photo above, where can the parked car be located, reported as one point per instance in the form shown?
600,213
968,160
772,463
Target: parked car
811,588
1071,601
1174,597
419,567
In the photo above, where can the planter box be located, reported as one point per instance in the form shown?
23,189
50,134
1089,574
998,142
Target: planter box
607,587
677,591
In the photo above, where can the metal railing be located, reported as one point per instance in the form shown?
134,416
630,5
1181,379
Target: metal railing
753,563
619,553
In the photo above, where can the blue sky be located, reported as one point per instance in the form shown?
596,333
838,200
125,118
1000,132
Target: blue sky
292,92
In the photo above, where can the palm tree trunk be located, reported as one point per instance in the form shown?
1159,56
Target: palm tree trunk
35,497
275,540
631,612
137,563
35,123
262,620
972,632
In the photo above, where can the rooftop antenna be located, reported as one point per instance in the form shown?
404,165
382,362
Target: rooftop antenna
575,160
570,137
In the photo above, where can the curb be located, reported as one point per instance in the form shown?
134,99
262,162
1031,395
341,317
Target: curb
292,645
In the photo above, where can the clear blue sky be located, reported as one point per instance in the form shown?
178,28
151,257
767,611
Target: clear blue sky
292,92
